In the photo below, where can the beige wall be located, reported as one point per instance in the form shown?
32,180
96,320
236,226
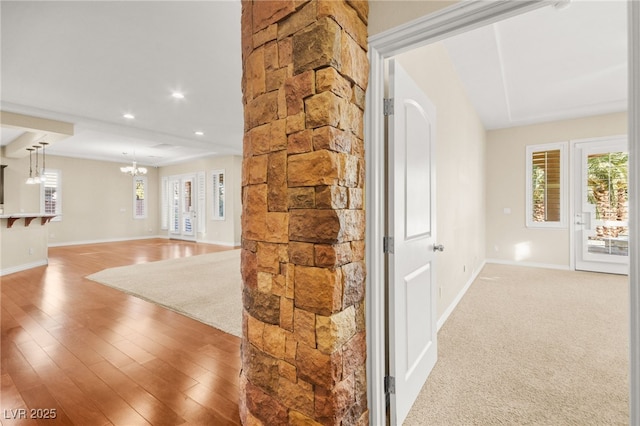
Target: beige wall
460,172
97,203
18,196
22,247
508,239
97,206
97,199
387,14
227,231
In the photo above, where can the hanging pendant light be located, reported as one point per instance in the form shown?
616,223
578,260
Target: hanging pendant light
36,178
30,180
43,176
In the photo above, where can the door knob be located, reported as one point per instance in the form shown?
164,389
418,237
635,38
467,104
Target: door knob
438,247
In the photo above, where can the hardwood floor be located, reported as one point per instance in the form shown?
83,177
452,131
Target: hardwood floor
93,355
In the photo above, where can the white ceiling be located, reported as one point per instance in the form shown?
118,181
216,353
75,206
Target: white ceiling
549,64
90,62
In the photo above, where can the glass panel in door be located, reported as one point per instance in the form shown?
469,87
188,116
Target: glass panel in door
608,195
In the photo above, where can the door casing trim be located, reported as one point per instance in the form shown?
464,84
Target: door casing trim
575,189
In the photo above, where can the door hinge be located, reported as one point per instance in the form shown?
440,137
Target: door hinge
388,107
389,384
387,244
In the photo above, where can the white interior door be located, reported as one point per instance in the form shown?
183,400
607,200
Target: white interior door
412,288
601,206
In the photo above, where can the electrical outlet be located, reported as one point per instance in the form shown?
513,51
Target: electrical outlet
30,250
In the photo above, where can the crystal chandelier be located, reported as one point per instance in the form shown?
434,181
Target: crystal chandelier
134,170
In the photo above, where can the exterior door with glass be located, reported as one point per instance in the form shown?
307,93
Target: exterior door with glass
601,205
182,208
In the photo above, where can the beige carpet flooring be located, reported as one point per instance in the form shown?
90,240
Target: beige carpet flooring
532,346
207,287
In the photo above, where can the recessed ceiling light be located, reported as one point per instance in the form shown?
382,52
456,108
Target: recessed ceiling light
129,116
198,133
178,95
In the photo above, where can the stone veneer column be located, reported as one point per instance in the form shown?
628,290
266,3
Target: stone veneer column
303,222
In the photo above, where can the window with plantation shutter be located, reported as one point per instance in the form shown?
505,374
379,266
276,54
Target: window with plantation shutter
546,185
174,213
201,206
218,195
165,206
139,197
51,193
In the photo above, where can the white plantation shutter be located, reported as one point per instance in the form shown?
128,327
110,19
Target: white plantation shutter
201,207
546,181
165,205
139,197
546,185
51,193
175,207
218,187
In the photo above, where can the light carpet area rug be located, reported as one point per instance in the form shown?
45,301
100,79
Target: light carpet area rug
206,287
530,346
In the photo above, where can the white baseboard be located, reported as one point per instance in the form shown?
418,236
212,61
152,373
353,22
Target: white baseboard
220,243
117,240
23,267
106,240
445,315
530,264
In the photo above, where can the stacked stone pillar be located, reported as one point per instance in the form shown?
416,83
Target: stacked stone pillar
305,73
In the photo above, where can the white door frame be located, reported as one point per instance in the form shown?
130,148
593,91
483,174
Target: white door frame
459,18
575,195
194,199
